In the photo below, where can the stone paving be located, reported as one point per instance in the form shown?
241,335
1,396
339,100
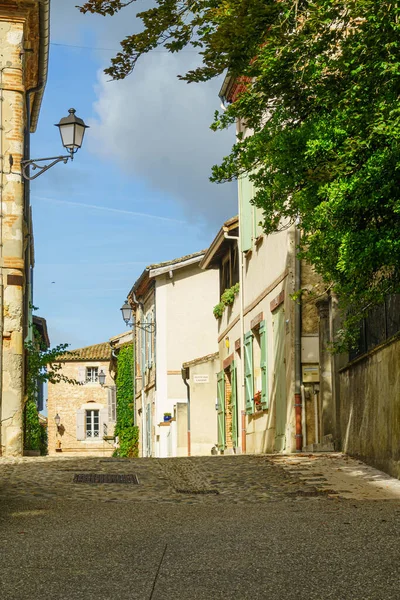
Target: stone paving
200,480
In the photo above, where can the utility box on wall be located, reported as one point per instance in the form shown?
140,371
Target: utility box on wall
310,373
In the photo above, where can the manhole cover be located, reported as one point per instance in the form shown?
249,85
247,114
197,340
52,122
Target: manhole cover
105,478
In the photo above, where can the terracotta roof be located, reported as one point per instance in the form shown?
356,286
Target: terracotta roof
144,277
202,359
95,352
175,261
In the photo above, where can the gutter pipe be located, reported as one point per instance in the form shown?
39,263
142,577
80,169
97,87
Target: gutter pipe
297,349
185,377
241,319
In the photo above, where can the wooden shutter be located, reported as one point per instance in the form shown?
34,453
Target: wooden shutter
221,409
264,365
246,213
82,374
249,372
143,343
103,421
112,404
149,342
234,405
80,425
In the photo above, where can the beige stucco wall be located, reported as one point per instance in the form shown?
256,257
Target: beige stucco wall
186,329
65,399
268,271
203,414
370,408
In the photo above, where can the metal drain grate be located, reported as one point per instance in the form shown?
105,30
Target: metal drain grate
105,478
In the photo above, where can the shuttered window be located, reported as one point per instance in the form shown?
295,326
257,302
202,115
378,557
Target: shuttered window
246,213
112,404
249,372
221,410
264,365
143,344
234,407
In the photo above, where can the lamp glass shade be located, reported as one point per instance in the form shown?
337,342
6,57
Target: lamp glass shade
126,312
57,419
102,378
72,131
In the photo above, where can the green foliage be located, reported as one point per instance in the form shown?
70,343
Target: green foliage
126,431
33,429
227,299
320,83
218,310
41,367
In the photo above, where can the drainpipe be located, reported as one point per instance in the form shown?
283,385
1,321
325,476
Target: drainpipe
241,319
298,405
185,377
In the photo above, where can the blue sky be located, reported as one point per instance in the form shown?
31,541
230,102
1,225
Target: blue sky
136,193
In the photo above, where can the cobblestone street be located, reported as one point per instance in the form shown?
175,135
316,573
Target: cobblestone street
304,526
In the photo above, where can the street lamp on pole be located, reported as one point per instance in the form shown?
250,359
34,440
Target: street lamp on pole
72,131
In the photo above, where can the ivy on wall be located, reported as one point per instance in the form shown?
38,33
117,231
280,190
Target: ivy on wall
126,431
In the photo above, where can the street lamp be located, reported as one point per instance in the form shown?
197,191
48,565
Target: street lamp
102,378
57,420
126,311
127,315
72,131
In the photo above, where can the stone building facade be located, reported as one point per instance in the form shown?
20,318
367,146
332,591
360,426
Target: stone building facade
24,43
87,410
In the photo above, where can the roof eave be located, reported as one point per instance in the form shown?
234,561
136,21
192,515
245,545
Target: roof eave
44,43
217,242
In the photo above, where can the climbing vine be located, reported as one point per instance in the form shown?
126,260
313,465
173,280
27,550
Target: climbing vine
126,431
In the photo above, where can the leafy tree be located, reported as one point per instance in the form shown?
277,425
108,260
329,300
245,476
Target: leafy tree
320,84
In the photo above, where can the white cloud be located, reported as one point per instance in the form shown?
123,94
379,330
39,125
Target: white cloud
151,124
157,127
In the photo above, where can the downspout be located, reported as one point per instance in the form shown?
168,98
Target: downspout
241,319
298,405
185,377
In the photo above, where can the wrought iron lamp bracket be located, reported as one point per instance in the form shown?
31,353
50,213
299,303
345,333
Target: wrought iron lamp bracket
25,164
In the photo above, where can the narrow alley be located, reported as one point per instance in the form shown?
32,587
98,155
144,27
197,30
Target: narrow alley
305,526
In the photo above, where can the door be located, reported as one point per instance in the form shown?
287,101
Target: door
221,410
148,429
234,407
280,379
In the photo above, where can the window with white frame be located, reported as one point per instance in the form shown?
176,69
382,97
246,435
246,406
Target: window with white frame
92,374
92,423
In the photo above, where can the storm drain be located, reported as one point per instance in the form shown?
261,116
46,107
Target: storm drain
105,478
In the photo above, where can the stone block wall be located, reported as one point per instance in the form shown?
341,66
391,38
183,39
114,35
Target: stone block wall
66,399
370,408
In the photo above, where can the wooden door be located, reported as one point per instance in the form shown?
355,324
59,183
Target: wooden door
280,379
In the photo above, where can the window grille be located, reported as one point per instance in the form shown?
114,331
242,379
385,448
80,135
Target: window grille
92,423
381,323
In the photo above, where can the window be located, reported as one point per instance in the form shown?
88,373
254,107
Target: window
229,273
92,374
92,423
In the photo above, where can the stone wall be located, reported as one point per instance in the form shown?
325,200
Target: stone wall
66,399
19,30
370,408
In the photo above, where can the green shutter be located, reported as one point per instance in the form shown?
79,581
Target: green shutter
234,406
246,213
264,365
221,409
143,324
249,372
